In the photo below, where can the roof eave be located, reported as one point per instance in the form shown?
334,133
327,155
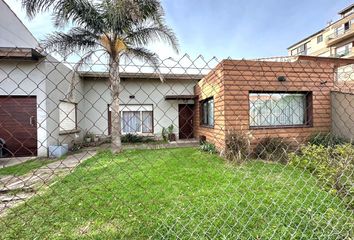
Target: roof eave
28,54
143,76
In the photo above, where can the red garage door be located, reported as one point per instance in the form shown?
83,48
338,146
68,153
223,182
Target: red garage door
18,126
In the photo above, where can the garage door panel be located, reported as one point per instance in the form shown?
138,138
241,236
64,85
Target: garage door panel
16,127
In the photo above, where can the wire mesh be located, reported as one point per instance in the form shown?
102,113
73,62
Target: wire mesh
220,149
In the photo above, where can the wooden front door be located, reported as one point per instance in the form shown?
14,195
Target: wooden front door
18,126
186,114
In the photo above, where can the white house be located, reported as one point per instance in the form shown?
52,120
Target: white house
147,104
37,109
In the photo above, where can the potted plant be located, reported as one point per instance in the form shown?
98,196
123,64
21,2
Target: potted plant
171,135
164,134
95,138
88,137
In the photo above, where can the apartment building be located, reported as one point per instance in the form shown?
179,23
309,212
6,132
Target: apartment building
335,40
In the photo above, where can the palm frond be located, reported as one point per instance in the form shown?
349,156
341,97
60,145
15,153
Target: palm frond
82,12
76,40
123,15
145,35
33,7
145,55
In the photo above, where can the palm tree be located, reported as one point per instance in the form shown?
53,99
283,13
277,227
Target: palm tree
120,28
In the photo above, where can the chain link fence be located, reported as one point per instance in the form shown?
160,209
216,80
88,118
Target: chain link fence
211,149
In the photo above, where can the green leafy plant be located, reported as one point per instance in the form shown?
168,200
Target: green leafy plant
170,134
132,138
164,134
326,139
208,147
272,149
170,129
236,146
332,165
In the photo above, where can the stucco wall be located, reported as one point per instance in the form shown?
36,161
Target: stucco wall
58,82
49,81
343,114
146,91
13,32
27,79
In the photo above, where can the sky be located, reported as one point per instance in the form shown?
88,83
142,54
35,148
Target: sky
227,28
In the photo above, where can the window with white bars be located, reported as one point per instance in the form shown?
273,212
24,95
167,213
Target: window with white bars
67,116
278,109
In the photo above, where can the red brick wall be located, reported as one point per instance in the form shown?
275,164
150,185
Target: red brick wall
212,86
232,80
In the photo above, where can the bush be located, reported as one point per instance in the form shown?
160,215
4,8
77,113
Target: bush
208,147
326,139
236,146
272,149
332,165
132,138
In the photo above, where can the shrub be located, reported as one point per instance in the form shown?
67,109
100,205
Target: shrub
208,147
332,165
132,138
236,146
272,149
164,134
326,139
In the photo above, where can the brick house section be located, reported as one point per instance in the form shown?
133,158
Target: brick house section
231,82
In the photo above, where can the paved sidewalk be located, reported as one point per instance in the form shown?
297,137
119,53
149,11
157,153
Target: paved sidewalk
7,162
17,189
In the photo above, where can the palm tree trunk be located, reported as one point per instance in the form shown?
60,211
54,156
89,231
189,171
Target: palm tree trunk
114,80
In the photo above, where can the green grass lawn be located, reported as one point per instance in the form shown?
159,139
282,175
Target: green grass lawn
26,167
180,194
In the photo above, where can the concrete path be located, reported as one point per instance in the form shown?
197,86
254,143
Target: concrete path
7,162
17,189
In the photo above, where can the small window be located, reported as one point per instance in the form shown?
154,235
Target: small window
343,50
137,119
346,26
207,112
67,116
320,38
279,109
294,52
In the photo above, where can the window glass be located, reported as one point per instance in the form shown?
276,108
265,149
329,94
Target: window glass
207,112
277,109
319,38
147,122
67,116
131,122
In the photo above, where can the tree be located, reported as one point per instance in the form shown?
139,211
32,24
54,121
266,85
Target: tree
121,28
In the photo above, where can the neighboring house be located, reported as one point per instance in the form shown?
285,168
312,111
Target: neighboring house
147,104
276,99
32,86
334,40
37,109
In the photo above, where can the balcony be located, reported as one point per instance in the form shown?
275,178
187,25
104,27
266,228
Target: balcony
339,36
347,53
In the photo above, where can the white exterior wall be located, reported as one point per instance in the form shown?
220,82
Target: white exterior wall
58,82
13,32
146,92
49,81
27,79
